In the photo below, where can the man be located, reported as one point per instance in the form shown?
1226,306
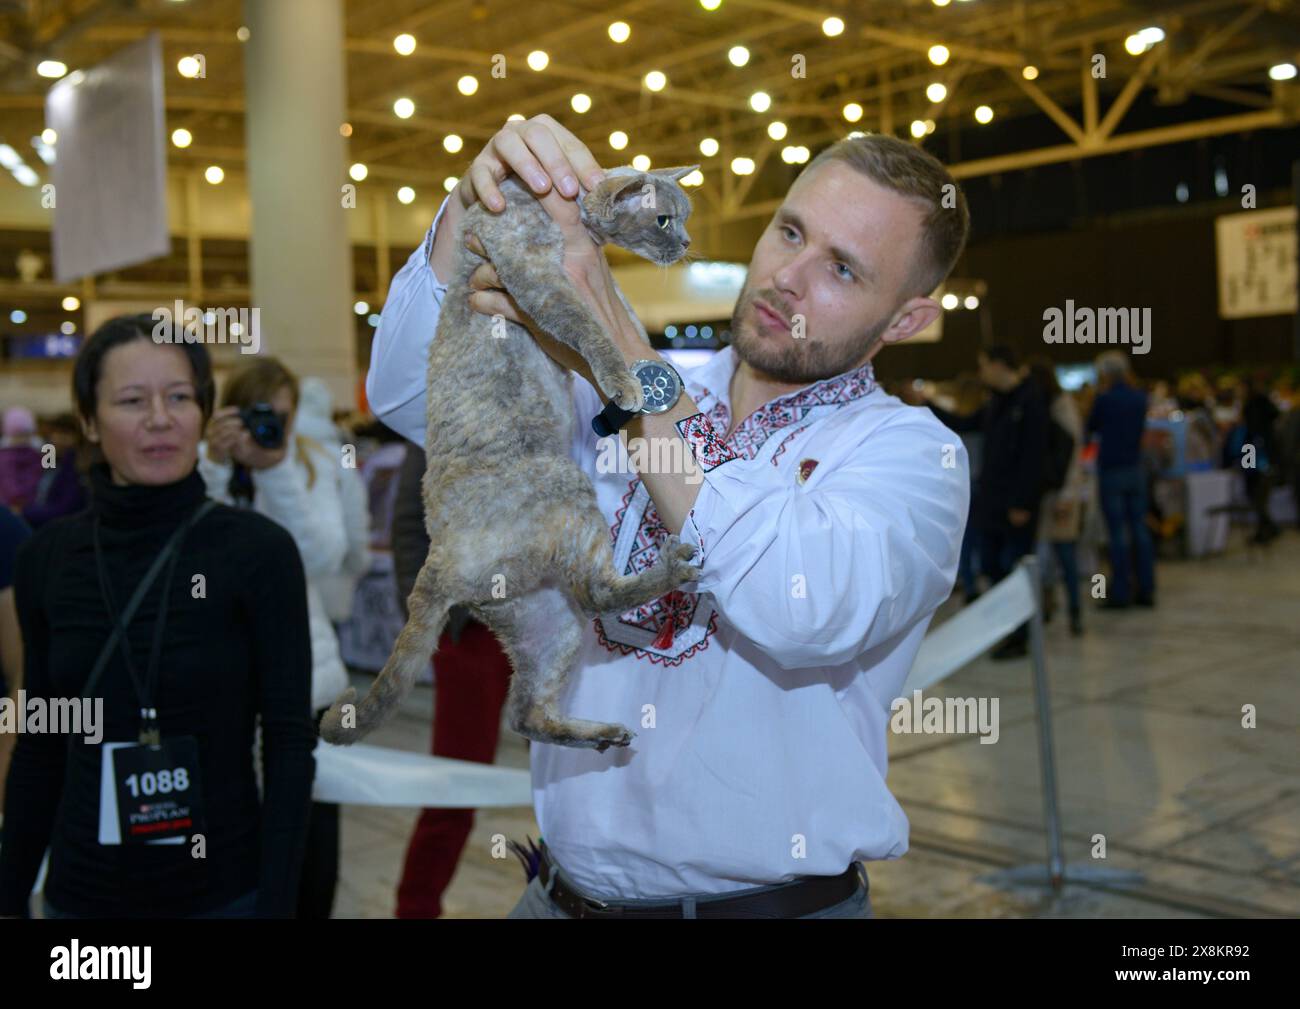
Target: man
1259,430
1014,424
827,517
1118,417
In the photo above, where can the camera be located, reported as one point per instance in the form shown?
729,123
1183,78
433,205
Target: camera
264,424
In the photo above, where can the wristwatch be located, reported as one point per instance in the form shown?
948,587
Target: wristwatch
661,387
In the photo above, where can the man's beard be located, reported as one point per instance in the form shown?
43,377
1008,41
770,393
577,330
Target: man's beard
790,359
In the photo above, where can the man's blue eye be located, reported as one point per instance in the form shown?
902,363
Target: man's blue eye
847,274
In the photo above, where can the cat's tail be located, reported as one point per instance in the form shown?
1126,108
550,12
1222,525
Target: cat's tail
347,719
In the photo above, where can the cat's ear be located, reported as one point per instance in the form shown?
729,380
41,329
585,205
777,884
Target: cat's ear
613,188
676,174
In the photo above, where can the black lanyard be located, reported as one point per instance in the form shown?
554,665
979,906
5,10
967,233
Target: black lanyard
145,689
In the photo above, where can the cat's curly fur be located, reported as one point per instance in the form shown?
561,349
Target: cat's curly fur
514,529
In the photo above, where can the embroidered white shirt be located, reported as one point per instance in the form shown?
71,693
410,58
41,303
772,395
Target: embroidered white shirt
829,526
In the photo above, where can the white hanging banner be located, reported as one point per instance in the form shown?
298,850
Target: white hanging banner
110,166
1256,253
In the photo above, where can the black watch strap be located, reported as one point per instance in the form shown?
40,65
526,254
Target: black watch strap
611,419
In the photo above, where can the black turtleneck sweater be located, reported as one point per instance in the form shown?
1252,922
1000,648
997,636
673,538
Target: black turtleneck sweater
240,652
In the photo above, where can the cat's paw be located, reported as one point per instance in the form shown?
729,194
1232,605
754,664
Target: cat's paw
677,555
332,729
625,390
620,737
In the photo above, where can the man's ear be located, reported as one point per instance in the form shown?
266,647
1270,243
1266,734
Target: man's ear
912,317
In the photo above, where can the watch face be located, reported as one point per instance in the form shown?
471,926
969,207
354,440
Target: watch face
659,386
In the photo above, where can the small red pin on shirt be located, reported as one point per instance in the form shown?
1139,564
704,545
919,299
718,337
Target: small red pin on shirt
806,466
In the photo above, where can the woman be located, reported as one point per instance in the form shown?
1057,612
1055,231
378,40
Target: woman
208,653
293,481
59,491
315,422
1060,516
20,458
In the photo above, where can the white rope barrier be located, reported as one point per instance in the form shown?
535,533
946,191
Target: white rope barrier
961,639
362,775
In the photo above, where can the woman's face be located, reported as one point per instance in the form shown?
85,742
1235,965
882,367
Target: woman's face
147,419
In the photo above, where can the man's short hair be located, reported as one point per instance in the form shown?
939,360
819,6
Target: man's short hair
1113,364
907,169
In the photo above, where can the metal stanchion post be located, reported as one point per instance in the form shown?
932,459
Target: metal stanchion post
1056,874
1046,751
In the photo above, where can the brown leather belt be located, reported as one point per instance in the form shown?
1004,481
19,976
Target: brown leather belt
794,899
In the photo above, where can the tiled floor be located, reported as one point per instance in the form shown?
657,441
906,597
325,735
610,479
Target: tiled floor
1150,748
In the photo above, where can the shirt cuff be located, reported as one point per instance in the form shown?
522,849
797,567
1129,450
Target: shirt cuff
706,442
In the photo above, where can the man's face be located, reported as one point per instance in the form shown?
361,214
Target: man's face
838,254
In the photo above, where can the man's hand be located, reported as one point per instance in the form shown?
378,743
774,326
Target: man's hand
229,439
540,151
548,158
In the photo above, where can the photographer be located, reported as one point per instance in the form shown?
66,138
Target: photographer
213,605
253,457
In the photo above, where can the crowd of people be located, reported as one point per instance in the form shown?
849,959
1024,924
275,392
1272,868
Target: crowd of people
182,555
149,443
1043,463
1050,466
239,645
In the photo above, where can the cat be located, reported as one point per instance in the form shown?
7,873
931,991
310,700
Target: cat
508,512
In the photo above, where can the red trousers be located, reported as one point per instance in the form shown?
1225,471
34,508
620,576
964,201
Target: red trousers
471,677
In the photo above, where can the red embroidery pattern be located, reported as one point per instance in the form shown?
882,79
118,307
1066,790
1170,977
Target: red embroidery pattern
675,612
748,439
785,443
662,617
706,442
663,660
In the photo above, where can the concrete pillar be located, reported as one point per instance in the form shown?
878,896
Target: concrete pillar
300,257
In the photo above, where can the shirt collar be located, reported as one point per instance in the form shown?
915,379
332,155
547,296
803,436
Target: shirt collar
710,384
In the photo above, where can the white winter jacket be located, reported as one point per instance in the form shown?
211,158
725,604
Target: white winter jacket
315,408
314,517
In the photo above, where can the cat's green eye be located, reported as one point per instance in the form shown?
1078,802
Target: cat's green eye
662,220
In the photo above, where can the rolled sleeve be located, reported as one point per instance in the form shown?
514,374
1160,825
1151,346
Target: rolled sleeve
395,383
817,574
